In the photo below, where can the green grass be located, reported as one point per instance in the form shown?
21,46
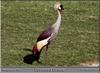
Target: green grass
23,21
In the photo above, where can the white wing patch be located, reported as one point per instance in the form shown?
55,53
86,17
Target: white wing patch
42,43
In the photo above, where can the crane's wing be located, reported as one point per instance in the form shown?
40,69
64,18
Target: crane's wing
45,34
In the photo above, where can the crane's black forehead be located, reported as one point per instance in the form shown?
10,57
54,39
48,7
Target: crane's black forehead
61,5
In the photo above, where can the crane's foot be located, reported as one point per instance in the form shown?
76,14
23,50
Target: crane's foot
46,62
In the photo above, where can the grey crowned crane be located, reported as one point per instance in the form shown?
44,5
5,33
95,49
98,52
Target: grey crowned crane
45,38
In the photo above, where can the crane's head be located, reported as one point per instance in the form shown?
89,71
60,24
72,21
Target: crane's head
58,6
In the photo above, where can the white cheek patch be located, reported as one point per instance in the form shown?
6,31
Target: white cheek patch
60,8
42,43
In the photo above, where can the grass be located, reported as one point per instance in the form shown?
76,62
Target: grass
23,21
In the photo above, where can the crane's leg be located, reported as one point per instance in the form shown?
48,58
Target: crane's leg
46,52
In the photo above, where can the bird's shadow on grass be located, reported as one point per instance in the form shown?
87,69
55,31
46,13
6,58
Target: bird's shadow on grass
29,58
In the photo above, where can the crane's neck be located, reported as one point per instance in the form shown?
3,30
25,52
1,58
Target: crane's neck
58,21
